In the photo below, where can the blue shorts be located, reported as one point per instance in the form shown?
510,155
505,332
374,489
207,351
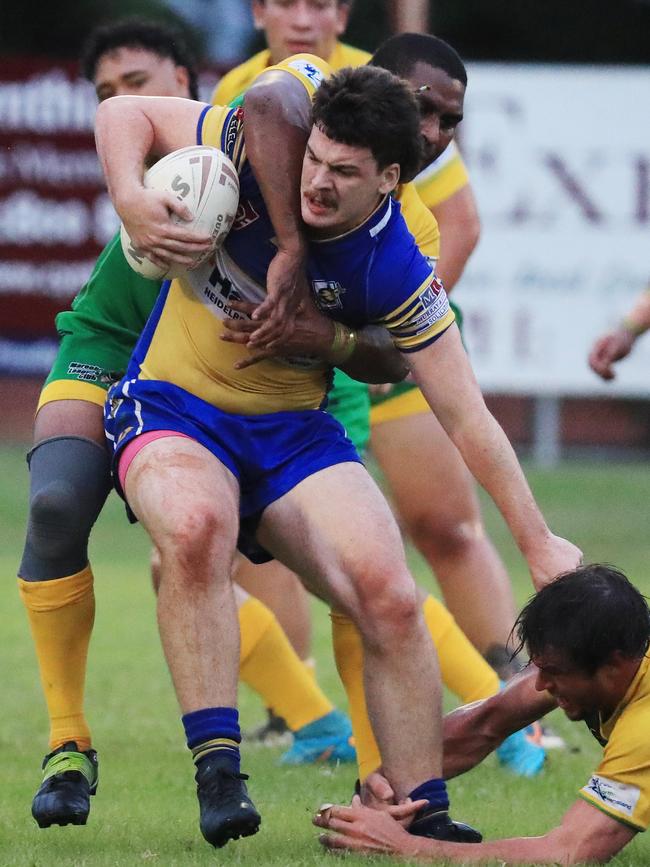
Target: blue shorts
268,454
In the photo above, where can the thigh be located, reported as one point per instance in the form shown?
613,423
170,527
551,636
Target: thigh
337,532
82,418
427,477
176,487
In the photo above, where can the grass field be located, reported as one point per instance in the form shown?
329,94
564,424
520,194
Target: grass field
146,812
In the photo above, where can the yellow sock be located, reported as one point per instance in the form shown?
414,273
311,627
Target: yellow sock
348,652
270,666
463,669
61,613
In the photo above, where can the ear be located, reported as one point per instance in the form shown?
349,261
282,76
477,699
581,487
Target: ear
389,178
342,17
183,79
259,16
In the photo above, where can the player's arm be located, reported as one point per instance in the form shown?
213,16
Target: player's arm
367,354
129,129
617,344
277,111
460,228
473,731
585,835
443,372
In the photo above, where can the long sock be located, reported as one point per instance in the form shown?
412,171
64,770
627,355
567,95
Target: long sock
61,613
271,667
463,670
214,732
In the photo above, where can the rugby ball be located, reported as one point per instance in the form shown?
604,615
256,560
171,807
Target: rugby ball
205,180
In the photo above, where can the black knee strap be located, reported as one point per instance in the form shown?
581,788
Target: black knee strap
69,482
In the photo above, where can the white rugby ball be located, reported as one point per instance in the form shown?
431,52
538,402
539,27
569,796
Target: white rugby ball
205,180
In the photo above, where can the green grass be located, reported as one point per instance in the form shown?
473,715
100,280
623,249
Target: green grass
145,811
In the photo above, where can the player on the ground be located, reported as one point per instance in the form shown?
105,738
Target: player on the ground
70,479
448,530
194,425
596,669
617,344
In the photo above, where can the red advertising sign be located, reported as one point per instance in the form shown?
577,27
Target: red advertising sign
55,215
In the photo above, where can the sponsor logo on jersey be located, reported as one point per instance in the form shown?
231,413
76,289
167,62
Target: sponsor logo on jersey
230,131
328,294
313,73
618,796
434,304
246,214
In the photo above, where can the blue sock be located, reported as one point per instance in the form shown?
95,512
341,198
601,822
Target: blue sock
214,732
435,792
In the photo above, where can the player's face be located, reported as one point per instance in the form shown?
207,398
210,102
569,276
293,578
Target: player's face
341,185
440,99
300,26
578,693
138,72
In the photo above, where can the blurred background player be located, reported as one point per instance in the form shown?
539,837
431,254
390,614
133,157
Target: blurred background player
447,528
617,344
596,669
70,479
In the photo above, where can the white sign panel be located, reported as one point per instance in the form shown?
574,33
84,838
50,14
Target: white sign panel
560,163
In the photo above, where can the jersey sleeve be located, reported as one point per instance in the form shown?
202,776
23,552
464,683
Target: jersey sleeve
222,127
620,785
442,178
307,68
420,221
405,296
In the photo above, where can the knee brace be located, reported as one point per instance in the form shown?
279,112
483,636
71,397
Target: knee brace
69,482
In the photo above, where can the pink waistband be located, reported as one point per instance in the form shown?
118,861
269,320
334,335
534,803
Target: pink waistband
131,449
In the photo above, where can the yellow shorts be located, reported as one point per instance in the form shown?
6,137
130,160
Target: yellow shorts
71,389
411,402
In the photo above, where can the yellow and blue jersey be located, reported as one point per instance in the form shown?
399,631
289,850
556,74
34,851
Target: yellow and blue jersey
375,273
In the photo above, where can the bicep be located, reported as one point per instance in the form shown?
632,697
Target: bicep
173,120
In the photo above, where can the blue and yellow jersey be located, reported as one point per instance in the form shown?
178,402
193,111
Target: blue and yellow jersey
620,786
374,273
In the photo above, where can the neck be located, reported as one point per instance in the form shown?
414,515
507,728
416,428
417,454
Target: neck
625,675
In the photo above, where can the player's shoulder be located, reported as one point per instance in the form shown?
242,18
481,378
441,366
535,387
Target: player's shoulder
398,267
309,69
235,82
443,177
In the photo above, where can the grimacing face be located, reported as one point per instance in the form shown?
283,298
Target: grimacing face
440,100
300,26
139,72
341,185
577,692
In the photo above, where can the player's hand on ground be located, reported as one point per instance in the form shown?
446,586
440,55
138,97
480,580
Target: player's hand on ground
312,333
377,792
608,349
147,218
552,557
361,829
286,289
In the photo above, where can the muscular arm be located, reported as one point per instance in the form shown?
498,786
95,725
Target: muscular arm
584,835
443,372
127,130
460,227
473,731
276,126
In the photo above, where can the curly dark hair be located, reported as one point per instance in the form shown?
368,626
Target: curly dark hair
138,33
370,107
586,614
400,53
